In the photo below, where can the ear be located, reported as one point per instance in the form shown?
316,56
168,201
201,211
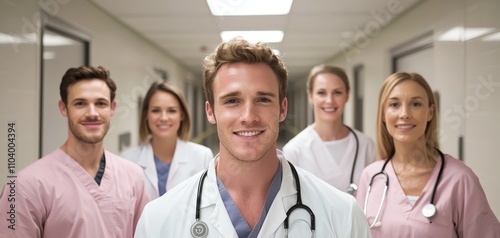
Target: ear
210,113
284,109
432,108
62,108
113,107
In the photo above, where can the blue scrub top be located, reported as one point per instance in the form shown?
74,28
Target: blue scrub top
240,224
162,170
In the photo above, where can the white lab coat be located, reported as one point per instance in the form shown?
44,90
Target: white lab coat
189,159
308,151
337,213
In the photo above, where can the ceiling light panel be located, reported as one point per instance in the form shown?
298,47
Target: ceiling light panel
249,8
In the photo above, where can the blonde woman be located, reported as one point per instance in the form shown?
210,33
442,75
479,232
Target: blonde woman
416,190
166,156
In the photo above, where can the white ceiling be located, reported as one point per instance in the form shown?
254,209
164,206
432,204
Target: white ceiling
314,29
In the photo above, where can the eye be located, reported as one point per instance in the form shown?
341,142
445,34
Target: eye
321,92
264,100
172,110
102,104
155,110
393,104
338,92
416,104
231,101
79,103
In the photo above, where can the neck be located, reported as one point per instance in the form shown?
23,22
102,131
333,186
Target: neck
331,131
86,155
164,148
413,154
253,178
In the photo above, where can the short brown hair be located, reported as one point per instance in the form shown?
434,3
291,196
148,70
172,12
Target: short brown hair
240,50
74,75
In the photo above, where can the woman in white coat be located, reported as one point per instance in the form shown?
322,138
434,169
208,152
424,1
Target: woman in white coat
328,148
166,155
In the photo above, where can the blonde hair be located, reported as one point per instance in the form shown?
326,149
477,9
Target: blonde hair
385,142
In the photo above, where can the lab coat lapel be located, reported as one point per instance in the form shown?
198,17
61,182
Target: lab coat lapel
282,202
211,197
146,161
178,161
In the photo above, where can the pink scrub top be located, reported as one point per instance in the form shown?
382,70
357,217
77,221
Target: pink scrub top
462,208
56,197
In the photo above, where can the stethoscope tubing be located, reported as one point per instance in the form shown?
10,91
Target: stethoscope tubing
386,186
352,188
351,180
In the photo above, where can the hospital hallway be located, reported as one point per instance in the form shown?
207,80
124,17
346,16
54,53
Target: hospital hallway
454,44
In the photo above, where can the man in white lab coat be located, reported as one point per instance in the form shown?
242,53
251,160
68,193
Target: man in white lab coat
250,187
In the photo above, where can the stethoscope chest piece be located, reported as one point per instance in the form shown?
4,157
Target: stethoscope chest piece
199,229
352,189
429,210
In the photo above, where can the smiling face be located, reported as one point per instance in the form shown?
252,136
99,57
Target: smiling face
407,111
328,97
247,111
89,110
164,115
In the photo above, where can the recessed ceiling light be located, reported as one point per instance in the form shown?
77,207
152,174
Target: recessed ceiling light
254,36
464,34
249,8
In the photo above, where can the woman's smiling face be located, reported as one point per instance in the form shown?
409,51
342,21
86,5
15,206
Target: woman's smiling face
407,112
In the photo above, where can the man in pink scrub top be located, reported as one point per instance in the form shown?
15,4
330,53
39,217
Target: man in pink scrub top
80,189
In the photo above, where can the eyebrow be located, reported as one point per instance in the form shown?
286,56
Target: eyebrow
396,98
86,99
238,93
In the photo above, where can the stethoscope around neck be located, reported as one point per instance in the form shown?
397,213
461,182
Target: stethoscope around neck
199,229
428,211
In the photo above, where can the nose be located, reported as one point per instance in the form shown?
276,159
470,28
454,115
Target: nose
249,113
164,116
329,98
92,112
404,113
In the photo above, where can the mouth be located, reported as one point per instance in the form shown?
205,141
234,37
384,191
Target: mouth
329,109
248,133
405,126
163,127
92,124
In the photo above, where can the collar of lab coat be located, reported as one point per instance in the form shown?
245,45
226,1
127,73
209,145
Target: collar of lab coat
276,214
146,161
